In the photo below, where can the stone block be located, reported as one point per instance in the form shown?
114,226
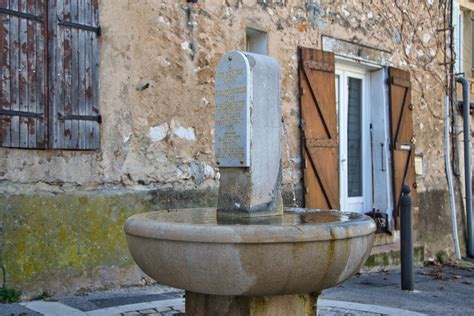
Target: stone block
248,123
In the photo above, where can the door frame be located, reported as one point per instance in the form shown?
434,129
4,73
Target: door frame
343,71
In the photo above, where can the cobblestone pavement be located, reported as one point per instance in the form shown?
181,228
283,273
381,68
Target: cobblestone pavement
165,307
177,310
323,310
440,290
334,311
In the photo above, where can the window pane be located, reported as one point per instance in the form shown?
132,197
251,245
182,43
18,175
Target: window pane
354,138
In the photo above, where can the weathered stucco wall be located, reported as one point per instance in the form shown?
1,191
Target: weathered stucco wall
156,89
74,242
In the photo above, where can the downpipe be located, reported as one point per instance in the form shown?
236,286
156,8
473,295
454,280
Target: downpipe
467,164
447,164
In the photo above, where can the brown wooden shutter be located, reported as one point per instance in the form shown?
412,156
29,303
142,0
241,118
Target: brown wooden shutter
402,138
74,74
320,139
23,68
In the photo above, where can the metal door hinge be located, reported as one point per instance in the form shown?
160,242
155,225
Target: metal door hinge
22,15
95,29
21,113
95,118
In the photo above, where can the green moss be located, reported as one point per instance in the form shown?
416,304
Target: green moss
64,232
392,258
442,257
419,253
385,259
370,263
71,234
464,264
43,296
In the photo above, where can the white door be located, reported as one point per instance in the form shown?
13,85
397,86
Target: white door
352,85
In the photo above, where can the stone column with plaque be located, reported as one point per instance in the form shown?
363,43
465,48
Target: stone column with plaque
247,135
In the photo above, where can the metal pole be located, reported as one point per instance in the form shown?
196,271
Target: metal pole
406,240
467,165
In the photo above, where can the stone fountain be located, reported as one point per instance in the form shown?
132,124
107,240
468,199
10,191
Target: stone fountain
250,255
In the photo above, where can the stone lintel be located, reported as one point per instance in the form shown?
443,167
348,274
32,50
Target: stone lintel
356,51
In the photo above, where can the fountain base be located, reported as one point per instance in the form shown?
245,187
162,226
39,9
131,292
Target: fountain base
198,304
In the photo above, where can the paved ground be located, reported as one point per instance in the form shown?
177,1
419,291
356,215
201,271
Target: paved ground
440,290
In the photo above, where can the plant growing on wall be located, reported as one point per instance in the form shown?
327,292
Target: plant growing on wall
8,295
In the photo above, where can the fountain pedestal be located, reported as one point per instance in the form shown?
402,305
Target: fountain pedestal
205,305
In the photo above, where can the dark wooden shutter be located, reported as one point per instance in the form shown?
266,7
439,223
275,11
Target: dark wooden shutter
74,74
320,139
402,138
23,69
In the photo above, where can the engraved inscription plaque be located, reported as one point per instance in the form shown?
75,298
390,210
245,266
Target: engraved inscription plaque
233,91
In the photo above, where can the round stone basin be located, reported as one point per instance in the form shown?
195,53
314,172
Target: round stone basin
301,251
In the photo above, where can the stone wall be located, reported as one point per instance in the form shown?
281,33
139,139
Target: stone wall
75,242
156,90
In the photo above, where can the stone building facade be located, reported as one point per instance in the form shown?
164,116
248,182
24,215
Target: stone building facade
62,210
